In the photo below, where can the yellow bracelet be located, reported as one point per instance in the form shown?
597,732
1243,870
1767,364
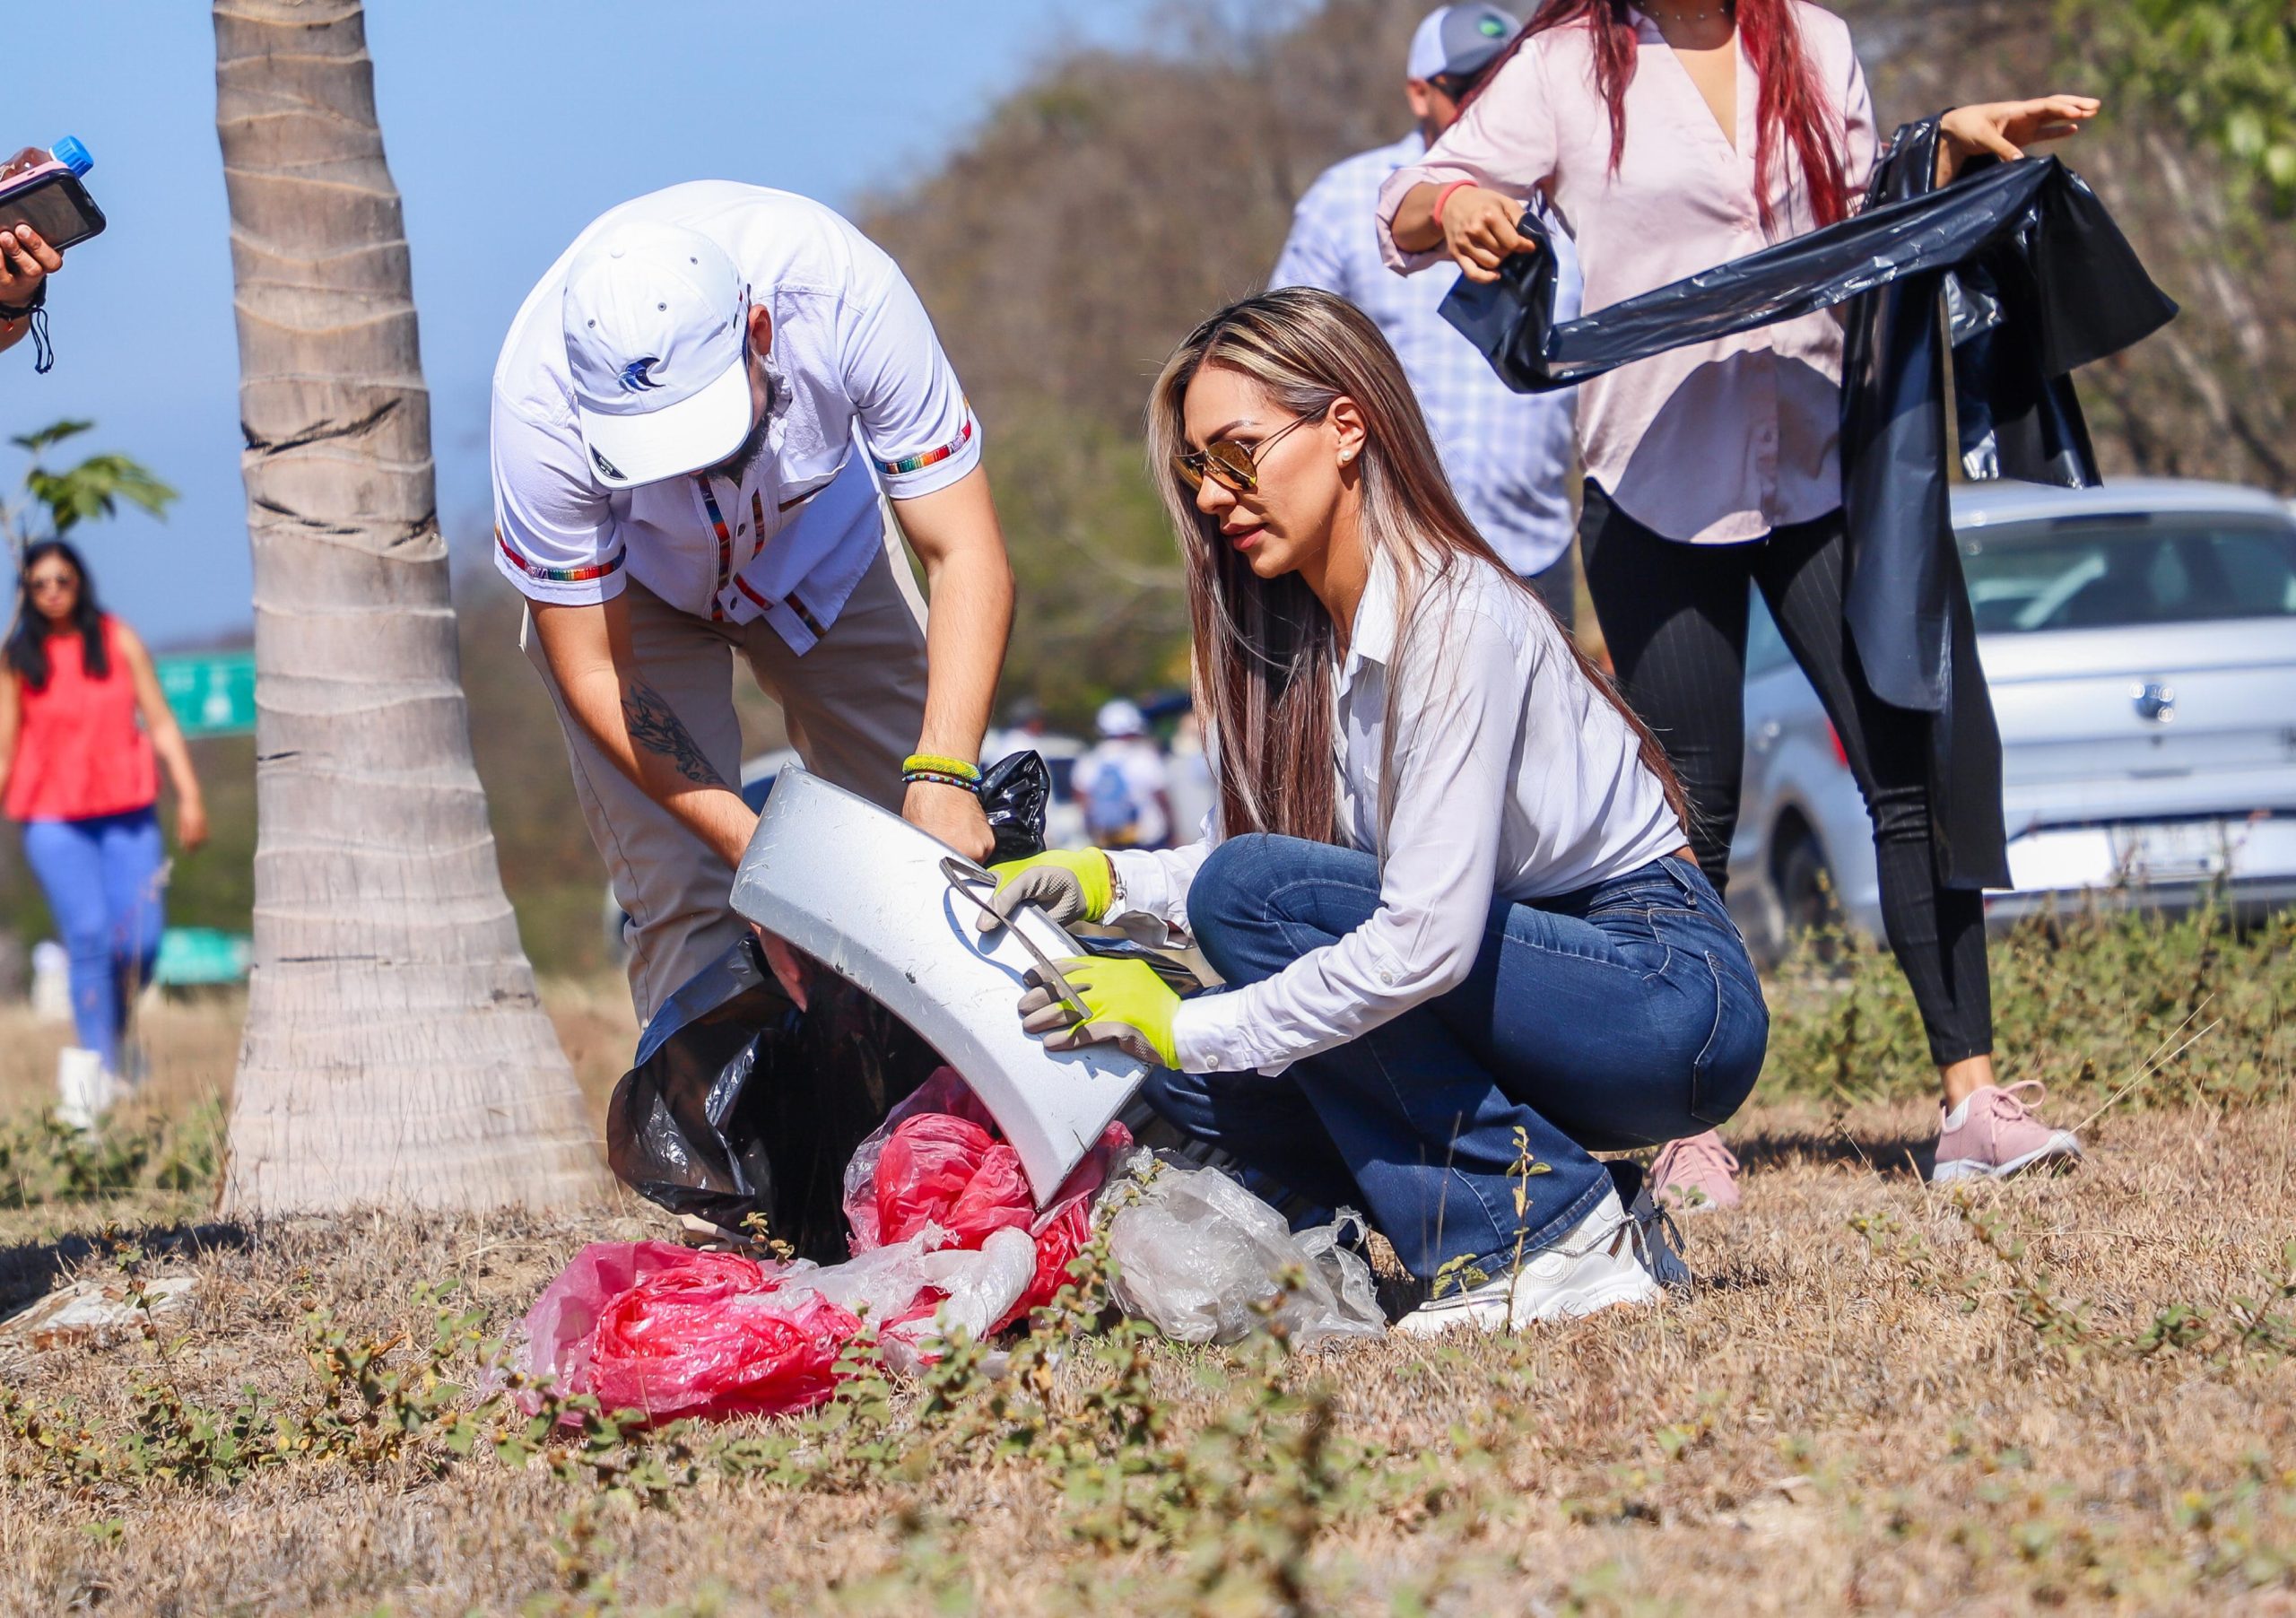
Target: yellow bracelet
940,764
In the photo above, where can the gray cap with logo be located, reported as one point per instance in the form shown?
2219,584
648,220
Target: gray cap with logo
1458,42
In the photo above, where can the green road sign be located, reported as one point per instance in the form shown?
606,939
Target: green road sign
212,692
200,957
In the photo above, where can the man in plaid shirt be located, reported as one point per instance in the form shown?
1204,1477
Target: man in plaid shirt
1509,455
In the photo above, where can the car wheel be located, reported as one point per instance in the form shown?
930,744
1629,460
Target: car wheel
1805,895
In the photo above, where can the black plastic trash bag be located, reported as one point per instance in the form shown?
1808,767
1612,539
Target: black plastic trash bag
2098,299
1015,792
739,1103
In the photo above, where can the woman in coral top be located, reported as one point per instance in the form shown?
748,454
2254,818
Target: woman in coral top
1670,137
79,775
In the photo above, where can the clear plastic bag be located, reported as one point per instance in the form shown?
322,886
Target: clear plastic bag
1203,1260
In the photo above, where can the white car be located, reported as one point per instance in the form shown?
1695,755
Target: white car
2140,641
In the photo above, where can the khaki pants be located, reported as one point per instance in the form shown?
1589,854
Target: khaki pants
855,705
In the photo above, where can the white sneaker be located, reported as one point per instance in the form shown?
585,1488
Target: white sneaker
84,1089
1598,1263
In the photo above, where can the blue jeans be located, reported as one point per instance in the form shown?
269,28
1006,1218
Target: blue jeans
101,877
1621,1015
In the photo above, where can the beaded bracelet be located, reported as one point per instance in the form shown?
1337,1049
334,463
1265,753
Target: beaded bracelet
909,777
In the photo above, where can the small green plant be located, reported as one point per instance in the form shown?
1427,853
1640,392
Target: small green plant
44,1161
54,502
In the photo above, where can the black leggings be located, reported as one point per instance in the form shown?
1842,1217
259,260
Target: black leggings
1674,616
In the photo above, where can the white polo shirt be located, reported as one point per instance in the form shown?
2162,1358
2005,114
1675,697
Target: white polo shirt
861,392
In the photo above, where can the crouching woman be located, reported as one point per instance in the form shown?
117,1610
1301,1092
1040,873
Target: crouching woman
1447,880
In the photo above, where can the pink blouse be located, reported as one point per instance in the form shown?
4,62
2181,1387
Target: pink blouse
1722,441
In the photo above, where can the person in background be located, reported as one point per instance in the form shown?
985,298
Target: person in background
80,776
1121,784
1673,137
1508,455
1449,890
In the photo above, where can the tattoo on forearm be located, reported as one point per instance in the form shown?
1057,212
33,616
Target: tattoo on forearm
655,726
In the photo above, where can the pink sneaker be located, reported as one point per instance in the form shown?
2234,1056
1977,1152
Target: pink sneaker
1994,1135
1696,1176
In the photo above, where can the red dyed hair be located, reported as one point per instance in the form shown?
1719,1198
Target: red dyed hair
1791,109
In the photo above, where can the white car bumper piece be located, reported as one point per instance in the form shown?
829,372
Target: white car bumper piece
866,893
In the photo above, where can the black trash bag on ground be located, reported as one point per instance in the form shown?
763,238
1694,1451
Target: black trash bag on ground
739,1103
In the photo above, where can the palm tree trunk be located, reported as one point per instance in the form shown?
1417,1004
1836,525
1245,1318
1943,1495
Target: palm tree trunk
396,1052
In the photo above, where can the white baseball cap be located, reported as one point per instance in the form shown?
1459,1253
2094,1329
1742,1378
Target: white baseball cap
1119,718
657,330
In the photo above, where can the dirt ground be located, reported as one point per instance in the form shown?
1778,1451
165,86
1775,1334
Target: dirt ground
2069,1393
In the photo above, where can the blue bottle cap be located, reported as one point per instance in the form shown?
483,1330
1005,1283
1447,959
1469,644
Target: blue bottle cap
72,154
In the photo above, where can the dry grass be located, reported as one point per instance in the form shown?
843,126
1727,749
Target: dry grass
1865,1405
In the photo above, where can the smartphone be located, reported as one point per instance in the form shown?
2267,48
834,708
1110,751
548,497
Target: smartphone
53,203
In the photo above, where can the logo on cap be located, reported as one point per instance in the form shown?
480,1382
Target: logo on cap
605,466
1491,28
634,378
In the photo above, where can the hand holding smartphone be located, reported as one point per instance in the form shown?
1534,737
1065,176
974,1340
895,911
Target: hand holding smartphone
40,191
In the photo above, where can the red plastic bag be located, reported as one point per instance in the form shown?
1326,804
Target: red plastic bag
943,1093
941,1170
710,1337
1058,1242
560,1326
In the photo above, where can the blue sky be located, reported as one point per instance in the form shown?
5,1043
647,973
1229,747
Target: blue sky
510,124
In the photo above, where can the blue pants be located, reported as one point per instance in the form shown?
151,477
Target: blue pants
1621,1015
101,877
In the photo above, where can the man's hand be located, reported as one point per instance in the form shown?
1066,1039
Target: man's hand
953,815
2004,129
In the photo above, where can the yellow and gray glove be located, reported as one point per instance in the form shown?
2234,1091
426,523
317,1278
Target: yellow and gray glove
1067,885
1124,1003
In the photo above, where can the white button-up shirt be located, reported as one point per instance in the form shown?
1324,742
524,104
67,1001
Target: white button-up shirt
1719,441
862,394
1513,777
1508,455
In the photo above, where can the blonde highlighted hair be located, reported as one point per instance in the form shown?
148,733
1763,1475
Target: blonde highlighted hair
1265,647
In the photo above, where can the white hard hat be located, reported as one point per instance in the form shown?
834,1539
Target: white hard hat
1120,719
657,320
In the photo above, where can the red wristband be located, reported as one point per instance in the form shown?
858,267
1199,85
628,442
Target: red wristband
1444,195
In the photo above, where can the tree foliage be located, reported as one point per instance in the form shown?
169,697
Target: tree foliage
2225,70
77,494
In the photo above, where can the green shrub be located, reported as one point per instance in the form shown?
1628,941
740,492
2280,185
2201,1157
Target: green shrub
2100,1002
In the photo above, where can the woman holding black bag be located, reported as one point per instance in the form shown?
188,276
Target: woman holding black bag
1668,139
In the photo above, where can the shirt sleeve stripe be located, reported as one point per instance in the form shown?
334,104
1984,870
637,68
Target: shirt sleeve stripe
541,575
930,458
